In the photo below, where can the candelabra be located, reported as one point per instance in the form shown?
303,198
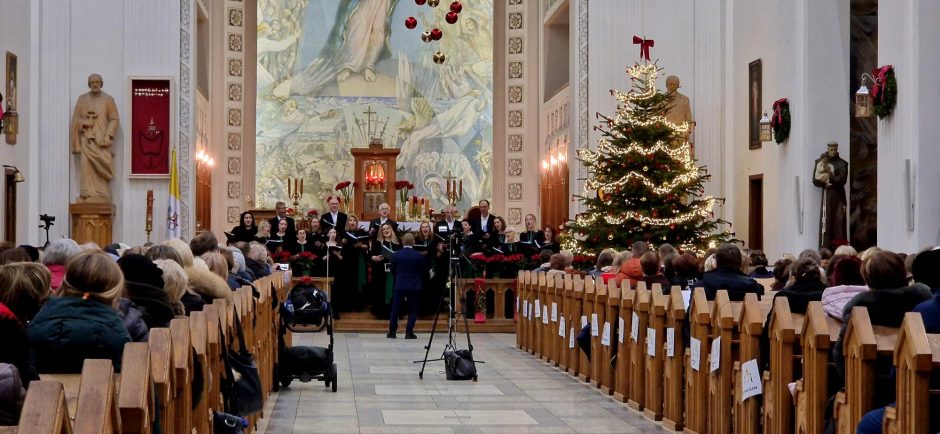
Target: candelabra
295,191
454,189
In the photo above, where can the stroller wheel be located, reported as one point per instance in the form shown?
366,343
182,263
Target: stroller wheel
285,381
333,376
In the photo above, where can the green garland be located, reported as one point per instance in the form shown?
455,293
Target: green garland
888,97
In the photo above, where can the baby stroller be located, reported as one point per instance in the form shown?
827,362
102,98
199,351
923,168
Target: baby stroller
306,310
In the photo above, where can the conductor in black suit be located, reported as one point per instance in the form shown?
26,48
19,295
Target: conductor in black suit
376,223
333,219
410,269
281,209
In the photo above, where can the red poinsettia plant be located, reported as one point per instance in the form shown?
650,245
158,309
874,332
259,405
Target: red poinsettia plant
282,257
312,214
303,263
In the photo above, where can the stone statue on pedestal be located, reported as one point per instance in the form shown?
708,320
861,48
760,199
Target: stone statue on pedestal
830,172
94,125
679,109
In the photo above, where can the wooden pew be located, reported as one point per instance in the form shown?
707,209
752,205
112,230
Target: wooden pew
136,393
598,360
655,354
198,338
722,344
916,356
566,301
607,371
587,314
576,360
624,334
528,329
537,329
522,280
161,369
696,389
639,320
97,405
182,375
783,332
549,326
819,333
674,362
750,329
45,410
863,343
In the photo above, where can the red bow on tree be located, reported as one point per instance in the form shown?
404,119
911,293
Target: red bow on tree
881,77
645,45
778,112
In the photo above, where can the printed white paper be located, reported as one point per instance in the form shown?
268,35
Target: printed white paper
714,358
571,338
605,337
583,320
544,314
651,342
750,379
635,327
538,308
554,312
561,326
525,308
620,331
670,342
686,298
595,328
695,347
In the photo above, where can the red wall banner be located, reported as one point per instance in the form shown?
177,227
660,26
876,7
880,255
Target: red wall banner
150,127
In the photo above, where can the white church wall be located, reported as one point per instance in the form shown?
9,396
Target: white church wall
15,37
907,32
116,39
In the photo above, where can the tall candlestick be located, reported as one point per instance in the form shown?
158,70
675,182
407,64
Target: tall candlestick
301,186
288,187
460,195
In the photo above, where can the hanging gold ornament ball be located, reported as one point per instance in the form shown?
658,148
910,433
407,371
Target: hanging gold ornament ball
610,237
426,36
439,58
643,224
434,3
642,199
600,194
646,168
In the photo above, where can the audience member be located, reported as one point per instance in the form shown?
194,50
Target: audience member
81,323
24,287
727,275
57,254
204,242
649,262
631,268
604,260
175,283
846,282
32,251
686,266
759,266
780,273
144,285
257,261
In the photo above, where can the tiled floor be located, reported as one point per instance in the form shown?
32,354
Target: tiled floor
379,392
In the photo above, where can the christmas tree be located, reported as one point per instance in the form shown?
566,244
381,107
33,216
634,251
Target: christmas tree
643,184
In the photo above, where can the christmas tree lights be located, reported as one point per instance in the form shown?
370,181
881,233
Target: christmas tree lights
643,183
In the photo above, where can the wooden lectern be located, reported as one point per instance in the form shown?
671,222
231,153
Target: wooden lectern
375,176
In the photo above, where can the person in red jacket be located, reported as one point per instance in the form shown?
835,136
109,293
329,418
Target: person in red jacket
631,268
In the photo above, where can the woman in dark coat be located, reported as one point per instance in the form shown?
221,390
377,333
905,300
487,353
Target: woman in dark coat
380,255
247,231
348,290
81,323
143,282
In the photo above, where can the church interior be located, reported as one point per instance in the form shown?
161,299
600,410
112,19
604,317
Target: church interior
721,202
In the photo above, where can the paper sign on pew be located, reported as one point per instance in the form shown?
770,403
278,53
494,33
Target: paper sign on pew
595,328
695,348
525,308
635,328
544,314
538,308
750,380
605,337
670,342
620,331
583,320
686,298
561,326
554,312
517,304
651,341
571,338
714,358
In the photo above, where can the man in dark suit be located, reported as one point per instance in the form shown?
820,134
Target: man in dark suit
449,225
376,223
410,269
333,219
281,209
483,226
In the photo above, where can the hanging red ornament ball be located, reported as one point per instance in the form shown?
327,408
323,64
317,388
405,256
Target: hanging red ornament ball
456,7
451,17
655,213
420,2
672,227
436,34
411,23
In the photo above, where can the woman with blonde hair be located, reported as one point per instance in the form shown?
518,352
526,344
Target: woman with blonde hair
24,286
82,322
204,285
175,283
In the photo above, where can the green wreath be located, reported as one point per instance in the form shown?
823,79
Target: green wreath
781,120
888,96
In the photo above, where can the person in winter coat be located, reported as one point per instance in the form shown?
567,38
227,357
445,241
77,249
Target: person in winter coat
806,286
15,345
24,287
81,323
847,282
143,285
727,275
12,394
57,254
